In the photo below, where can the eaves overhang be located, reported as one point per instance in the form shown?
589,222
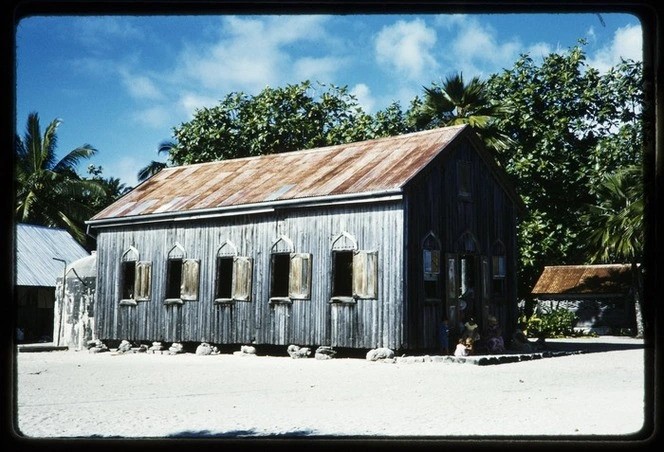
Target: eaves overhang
391,195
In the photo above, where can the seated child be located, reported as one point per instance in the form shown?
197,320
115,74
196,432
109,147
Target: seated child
464,347
494,342
521,343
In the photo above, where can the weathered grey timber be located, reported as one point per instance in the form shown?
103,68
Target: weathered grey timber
362,245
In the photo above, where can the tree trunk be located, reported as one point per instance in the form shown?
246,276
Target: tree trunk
637,289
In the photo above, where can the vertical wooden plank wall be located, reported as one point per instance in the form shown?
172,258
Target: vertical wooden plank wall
433,205
365,324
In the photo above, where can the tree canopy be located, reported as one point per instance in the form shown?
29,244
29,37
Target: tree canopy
570,126
454,102
277,120
49,192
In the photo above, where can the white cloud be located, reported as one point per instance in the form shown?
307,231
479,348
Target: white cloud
627,43
189,102
155,116
449,21
406,47
140,86
254,52
539,50
476,46
98,32
364,97
317,69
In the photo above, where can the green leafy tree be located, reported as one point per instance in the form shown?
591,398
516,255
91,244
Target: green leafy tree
454,103
569,125
113,188
154,166
49,191
615,226
279,120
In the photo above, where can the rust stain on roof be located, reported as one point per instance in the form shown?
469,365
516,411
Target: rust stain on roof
584,279
363,167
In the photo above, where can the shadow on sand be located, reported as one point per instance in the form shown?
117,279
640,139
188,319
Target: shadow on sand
592,346
238,434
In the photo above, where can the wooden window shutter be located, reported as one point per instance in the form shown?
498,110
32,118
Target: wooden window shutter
143,281
242,277
299,280
190,278
365,274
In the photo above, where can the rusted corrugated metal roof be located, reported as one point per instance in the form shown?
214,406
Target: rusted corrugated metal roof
363,167
36,246
584,279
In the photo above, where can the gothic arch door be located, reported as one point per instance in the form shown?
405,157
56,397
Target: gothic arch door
467,283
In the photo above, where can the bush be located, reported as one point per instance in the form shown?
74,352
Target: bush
556,322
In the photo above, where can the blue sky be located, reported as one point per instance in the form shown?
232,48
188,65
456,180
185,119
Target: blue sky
121,83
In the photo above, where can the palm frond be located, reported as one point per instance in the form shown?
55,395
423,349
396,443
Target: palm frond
70,161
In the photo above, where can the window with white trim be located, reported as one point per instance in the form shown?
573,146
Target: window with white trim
290,273
233,275
431,267
182,276
135,278
354,272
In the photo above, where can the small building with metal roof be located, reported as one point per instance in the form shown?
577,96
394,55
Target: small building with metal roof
42,255
358,245
601,296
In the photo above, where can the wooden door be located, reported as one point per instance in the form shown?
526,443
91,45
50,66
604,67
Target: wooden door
452,292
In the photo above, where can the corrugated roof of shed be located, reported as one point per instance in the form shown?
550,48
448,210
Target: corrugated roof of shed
583,279
352,168
36,246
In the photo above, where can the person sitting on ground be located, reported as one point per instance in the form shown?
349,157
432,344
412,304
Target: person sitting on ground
494,338
462,348
520,342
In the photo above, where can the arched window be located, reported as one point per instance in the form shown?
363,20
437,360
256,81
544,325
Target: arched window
290,272
499,267
128,273
431,266
467,244
354,272
344,246
182,276
233,275
135,278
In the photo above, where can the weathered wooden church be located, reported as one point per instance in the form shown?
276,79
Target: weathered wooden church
358,245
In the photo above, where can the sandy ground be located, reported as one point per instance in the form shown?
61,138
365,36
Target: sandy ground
79,394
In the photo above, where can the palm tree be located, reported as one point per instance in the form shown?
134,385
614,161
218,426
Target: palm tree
455,103
616,226
49,192
154,167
